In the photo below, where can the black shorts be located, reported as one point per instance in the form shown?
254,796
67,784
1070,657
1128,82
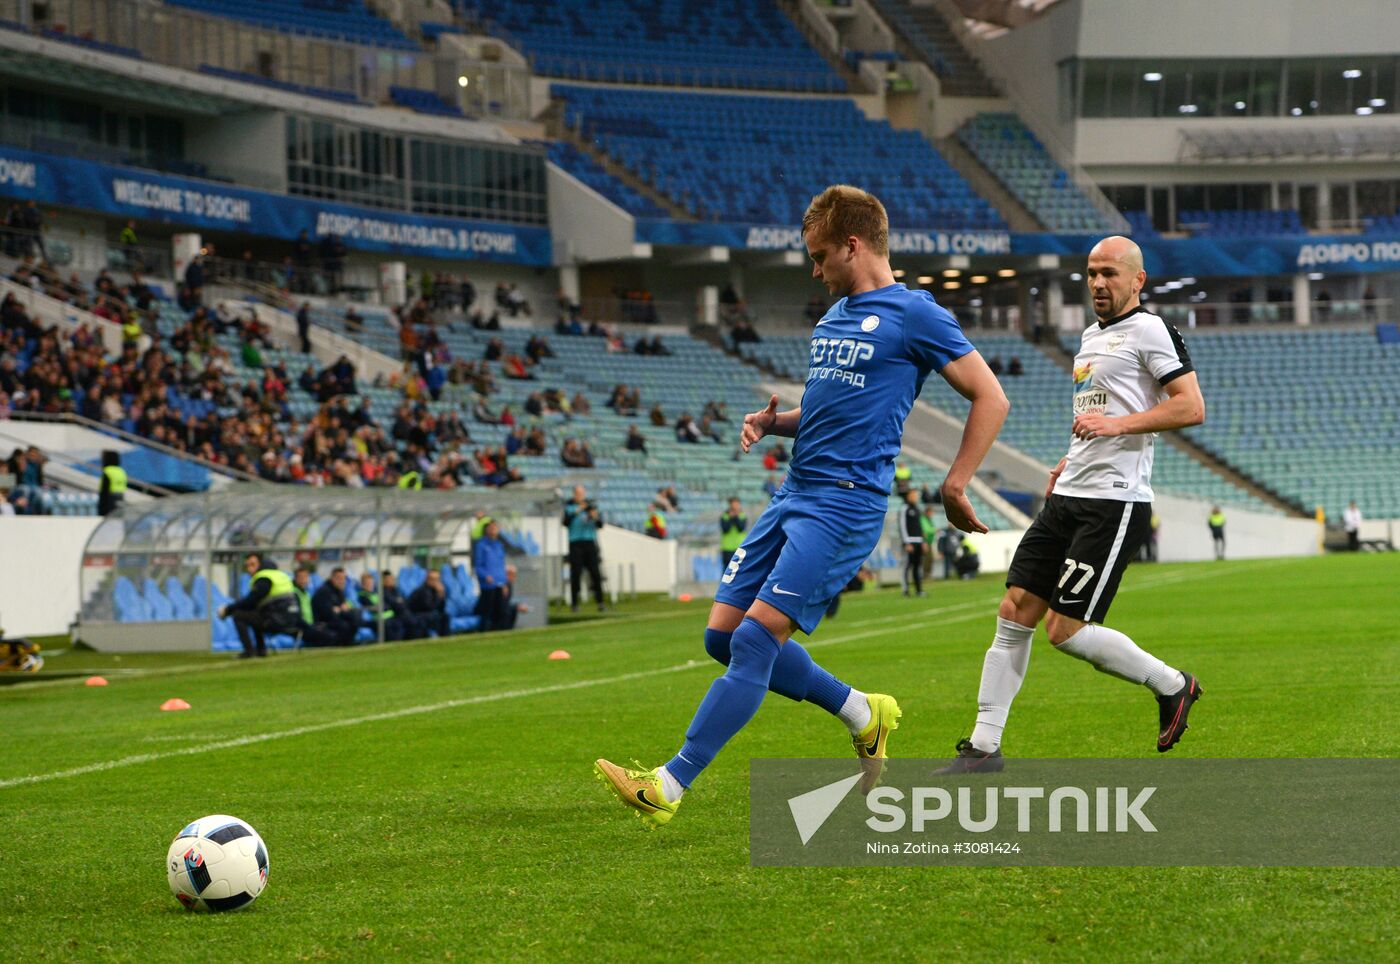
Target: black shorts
1075,551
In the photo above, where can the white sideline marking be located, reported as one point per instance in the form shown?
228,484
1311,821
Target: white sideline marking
135,759
127,761
138,758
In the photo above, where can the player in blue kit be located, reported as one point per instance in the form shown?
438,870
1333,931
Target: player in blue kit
871,352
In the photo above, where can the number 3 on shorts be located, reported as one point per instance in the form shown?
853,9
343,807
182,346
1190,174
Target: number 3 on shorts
732,569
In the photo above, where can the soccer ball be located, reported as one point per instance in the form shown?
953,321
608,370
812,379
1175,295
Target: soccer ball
217,863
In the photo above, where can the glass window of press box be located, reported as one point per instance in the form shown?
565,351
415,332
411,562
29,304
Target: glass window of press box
1238,87
341,162
163,568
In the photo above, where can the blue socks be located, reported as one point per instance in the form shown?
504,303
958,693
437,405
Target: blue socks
794,674
732,701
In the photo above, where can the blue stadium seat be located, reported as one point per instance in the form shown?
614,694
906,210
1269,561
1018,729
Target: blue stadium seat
747,44
759,160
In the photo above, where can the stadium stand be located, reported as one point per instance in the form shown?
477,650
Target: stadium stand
1140,225
1239,224
590,172
346,20
729,43
1017,159
1313,415
760,159
1039,400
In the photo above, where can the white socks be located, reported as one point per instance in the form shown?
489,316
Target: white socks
1003,669
855,712
1111,652
670,786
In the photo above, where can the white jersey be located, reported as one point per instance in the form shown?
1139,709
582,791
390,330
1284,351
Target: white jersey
1121,369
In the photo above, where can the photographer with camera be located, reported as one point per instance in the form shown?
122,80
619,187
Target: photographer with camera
583,520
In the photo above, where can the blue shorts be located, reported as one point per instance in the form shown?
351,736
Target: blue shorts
807,545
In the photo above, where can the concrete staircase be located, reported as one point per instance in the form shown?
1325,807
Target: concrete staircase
673,207
985,183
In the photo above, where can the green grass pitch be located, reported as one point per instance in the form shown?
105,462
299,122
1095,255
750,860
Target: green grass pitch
436,799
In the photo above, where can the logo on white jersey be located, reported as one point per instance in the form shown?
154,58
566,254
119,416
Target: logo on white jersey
870,323
1115,341
1088,400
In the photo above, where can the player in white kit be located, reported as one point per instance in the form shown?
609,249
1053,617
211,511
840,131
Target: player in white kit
1132,379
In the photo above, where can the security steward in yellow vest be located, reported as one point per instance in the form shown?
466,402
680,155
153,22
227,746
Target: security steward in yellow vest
412,479
731,531
112,493
270,607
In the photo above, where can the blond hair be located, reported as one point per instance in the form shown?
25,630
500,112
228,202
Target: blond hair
841,211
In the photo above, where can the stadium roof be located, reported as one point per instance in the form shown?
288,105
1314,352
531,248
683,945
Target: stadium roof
286,518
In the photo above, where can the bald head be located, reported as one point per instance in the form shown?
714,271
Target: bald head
1120,249
1115,277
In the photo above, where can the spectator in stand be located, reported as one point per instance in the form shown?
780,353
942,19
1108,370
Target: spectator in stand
636,441
707,429
771,485
131,252
429,604
575,454
687,432
32,220
194,280
538,347
668,499
994,363
1014,368
744,332
657,348
717,411
489,563
580,405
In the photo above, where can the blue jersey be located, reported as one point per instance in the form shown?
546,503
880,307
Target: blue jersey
870,355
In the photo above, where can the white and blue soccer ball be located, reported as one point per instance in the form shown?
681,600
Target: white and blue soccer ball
217,863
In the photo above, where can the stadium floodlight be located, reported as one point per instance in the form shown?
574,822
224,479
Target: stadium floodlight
1188,281
1315,276
978,279
1240,105
1377,101
462,81
952,273
1006,272
1351,73
1296,112
1365,111
1076,276
1188,108
952,284
898,273
1152,76
925,279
